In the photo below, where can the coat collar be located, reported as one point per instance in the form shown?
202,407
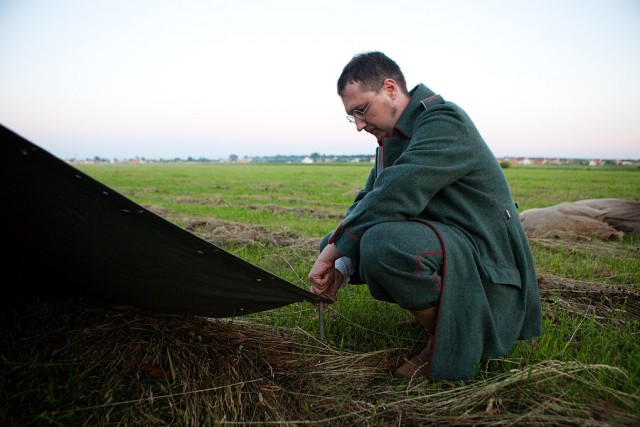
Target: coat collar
408,118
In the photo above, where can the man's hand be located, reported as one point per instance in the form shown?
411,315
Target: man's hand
325,279
334,284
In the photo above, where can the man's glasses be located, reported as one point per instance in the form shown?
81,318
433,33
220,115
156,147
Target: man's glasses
360,114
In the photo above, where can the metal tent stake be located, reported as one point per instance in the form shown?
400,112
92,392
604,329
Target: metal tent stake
321,320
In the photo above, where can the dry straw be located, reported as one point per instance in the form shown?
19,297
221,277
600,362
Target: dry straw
80,364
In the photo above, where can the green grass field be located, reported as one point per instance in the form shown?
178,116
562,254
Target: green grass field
584,369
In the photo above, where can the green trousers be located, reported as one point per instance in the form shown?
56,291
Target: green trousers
401,262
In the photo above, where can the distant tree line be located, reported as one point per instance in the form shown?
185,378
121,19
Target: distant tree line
352,158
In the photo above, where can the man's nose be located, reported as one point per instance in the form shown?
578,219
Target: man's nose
360,124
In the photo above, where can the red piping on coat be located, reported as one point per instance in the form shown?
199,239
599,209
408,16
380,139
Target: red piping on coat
403,133
353,235
437,279
335,233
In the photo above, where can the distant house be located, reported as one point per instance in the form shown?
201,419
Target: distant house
526,161
307,159
555,161
245,159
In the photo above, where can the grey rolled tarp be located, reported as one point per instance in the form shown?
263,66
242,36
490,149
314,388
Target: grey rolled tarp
65,233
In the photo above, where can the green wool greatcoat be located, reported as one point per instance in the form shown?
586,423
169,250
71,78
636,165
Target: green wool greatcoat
438,170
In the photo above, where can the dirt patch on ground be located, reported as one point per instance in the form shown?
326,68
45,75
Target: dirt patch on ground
607,303
226,233
596,247
299,212
223,233
200,201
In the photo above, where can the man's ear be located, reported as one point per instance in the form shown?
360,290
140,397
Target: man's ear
391,88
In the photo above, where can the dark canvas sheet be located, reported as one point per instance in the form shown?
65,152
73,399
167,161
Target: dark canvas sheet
66,233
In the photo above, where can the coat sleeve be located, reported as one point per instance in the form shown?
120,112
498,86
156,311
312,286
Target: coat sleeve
368,186
361,193
439,153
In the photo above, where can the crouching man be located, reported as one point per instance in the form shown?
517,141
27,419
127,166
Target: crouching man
434,229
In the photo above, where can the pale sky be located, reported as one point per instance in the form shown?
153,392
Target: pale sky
165,79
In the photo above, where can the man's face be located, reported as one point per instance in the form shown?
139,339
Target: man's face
380,117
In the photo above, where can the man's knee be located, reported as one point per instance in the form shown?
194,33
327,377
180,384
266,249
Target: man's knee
401,258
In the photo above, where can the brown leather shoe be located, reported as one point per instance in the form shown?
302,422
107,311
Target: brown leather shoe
416,367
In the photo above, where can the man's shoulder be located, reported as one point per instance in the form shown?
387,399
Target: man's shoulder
424,98
432,100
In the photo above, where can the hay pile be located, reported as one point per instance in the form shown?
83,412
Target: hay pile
79,363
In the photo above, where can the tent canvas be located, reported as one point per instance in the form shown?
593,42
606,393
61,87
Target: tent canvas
66,233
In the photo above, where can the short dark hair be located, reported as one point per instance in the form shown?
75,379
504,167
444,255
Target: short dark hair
369,69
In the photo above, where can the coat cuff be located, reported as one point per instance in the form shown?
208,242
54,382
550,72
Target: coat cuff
346,242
